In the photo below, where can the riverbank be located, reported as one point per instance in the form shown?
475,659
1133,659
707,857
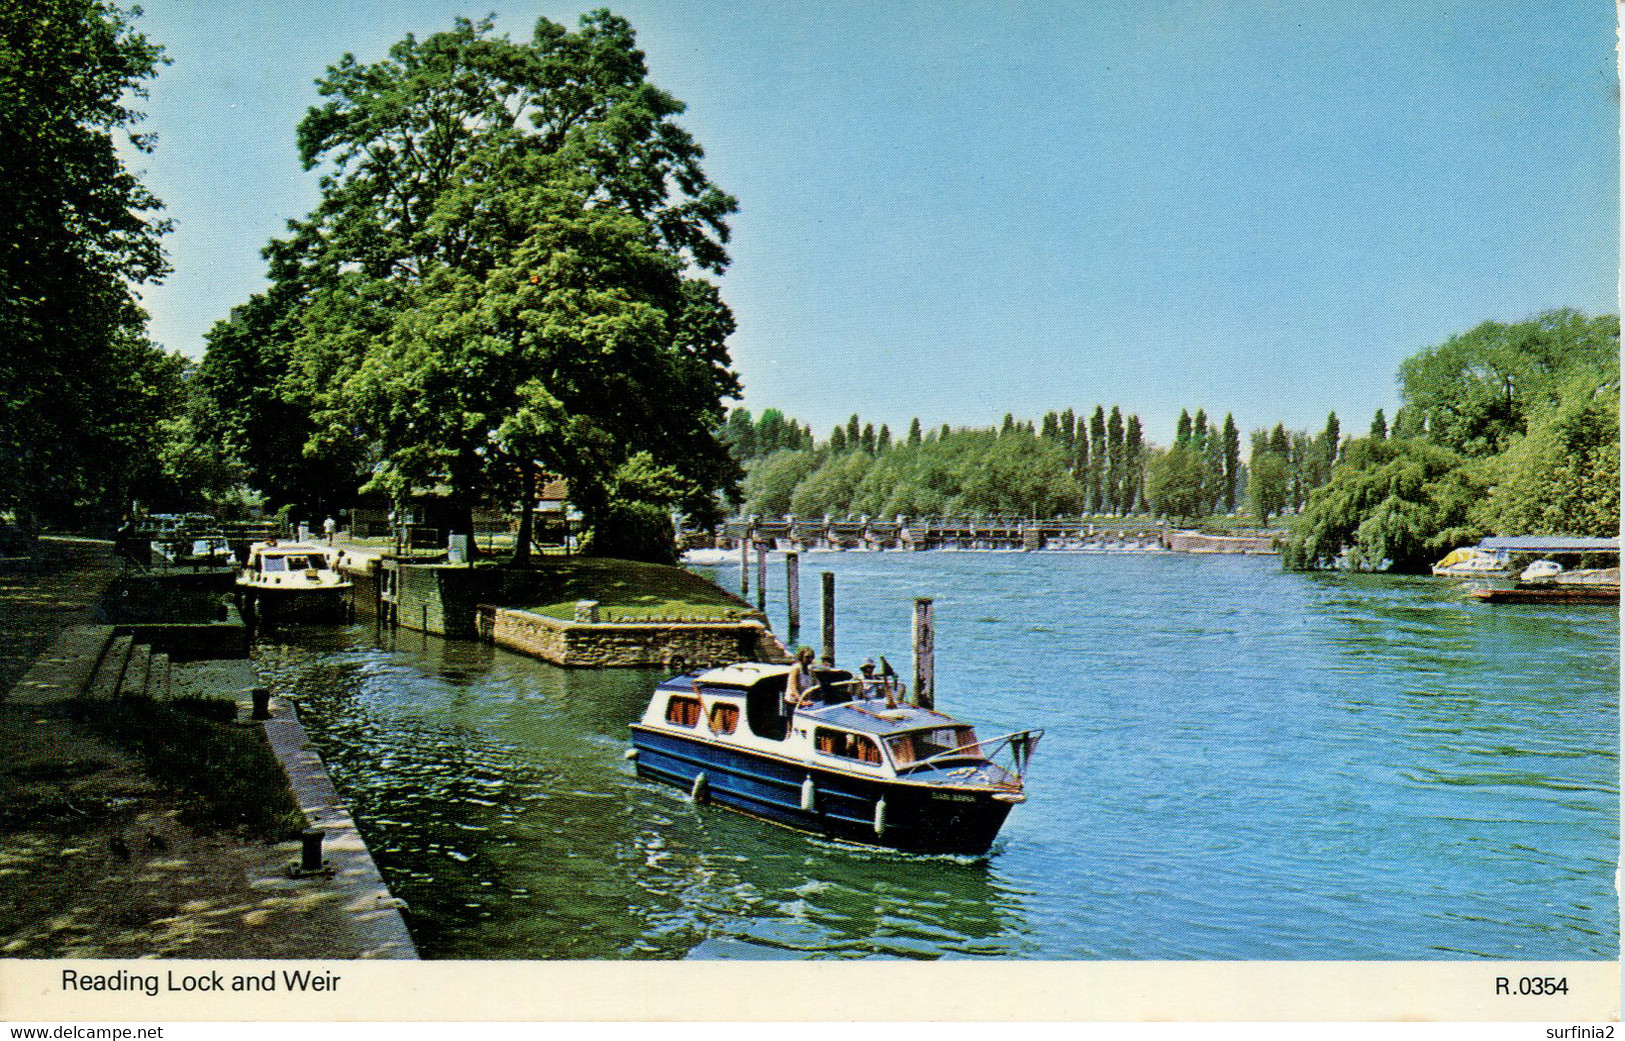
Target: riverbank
578,612
101,859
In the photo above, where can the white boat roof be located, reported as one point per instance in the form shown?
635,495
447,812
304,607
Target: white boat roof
743,674
288,547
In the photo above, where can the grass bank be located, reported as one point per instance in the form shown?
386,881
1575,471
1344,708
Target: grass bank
226,775
629,591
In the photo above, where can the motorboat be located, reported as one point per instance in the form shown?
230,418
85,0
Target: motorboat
1470,562
851,761
282,575
1540,571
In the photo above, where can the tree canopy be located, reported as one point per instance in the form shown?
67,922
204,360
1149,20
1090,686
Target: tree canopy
1505,429
504,272
1477,390
82,390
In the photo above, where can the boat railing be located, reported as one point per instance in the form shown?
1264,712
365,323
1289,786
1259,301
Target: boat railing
1018,744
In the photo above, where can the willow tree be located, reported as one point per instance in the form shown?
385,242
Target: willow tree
505,271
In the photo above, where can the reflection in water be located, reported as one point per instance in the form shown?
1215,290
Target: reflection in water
1240,763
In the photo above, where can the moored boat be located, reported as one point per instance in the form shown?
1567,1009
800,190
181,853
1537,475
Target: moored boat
852,764
1472,562
291,576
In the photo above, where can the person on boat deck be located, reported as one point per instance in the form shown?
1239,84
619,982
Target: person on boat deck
881,686
801,687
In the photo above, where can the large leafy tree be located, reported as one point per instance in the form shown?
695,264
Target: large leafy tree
82,390
1173,482
1562,477
1476,391
505,272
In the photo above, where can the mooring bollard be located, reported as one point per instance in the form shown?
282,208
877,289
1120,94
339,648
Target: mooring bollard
310,852
925,695
310,860
792,591
829,618
262,703
761,577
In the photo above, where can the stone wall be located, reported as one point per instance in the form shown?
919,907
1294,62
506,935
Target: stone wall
441,599
1197,542
664,644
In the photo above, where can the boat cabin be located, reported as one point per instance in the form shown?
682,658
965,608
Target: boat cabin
274,563
850,724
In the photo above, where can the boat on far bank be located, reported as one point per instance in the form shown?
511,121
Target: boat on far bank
850,763
291,577
1472,562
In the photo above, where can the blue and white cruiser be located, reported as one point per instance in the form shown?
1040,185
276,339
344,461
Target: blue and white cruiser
849,763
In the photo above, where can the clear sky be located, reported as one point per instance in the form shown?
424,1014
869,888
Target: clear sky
955,210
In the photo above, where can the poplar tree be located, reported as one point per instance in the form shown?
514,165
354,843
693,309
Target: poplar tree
1232,462
1116,463
1134,465
1098,460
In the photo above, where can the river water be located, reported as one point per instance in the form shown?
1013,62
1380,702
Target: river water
1240,763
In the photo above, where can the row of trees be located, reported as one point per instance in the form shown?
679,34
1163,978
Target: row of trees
504,275
1504,429
1100,464
1070,465
748,438
85,396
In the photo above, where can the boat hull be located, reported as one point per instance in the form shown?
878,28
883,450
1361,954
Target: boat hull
314,603
917,818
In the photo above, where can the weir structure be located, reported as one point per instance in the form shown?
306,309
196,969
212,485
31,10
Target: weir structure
790,532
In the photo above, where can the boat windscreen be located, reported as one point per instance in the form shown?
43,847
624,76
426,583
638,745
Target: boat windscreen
273,564
919,745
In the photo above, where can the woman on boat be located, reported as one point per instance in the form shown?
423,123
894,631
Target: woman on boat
801,685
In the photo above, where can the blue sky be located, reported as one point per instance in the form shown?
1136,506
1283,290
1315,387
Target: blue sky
958,210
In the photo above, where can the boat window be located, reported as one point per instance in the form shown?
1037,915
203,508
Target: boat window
273,564
297,563
724,719
683,711
847,745
923,744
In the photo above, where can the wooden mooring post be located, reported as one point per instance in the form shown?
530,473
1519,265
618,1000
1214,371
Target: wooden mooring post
792,592
744,567
925,694
829,618
761,577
